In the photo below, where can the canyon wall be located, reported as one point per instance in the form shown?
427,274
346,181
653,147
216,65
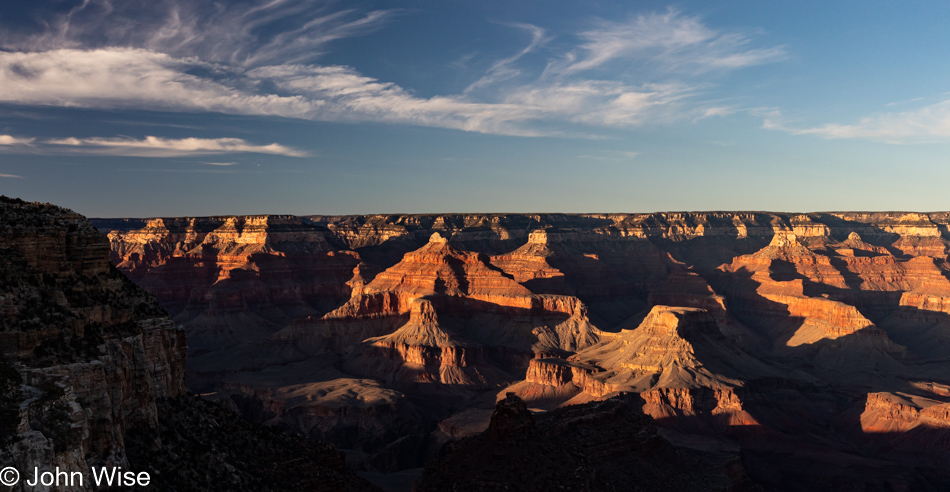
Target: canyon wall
87,354
754,329
92,374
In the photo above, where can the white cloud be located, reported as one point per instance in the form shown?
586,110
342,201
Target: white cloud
219,163
717,111
927,124
603,103
611,155
128,78
165,147
135,78
241,32
901,103
17,176
670,40
504,69
11,140
197,57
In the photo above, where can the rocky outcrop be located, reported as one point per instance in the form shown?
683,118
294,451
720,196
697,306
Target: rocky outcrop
439,269
691,408
511,419
599,446
93,352
215,449
787,290
493,326
232,280
678,360
356,414
550,372
887,412
473,346
909,425
92,374
530,263
611,273
672,347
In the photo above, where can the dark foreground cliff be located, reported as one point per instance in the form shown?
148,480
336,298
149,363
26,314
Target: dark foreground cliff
92,375
199,446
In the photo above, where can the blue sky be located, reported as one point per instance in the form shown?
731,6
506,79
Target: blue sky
147,108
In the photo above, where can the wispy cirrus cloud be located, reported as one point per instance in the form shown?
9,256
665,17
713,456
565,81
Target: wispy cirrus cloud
130,78
605,103
14,176
672,41
167,147
611,155
504,69
240,32
927,124
201,57
146,147
134,78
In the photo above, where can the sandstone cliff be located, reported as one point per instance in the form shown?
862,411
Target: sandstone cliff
235,280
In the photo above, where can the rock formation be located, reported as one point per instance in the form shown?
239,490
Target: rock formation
821,336
490,324
92,374
597,446
79,341
235,280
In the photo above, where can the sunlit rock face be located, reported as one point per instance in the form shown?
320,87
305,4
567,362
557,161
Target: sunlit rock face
236,279
762,330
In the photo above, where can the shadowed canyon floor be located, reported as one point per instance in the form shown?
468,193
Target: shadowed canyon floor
816,347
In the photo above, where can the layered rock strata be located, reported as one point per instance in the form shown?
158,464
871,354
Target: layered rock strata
765,330
235,280
87,354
